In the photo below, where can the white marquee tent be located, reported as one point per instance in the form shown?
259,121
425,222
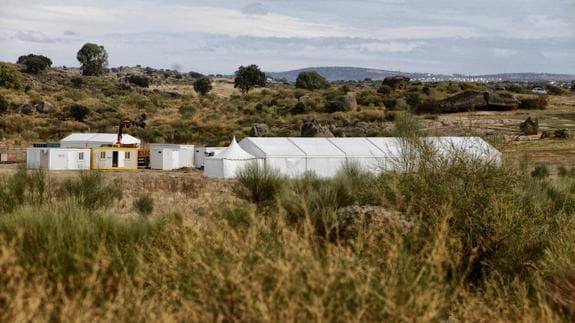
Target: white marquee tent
94,140
325,156
226,163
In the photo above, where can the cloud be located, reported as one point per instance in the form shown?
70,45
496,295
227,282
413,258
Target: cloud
255,8
36,37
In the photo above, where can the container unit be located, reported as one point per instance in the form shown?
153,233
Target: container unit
58,158
114,158
169,156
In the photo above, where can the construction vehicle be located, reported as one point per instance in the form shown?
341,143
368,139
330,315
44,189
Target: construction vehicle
143,153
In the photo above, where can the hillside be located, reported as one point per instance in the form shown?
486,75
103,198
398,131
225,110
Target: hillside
336,73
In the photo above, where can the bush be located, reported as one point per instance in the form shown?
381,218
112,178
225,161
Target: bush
260,184
540,171
539,102
4,104
77,82
553,89
9,77
187,109
368,98
139,80
91,190
78,112
203,85
144,205
413,100
311,81
384,89
390,103
334,106
35,63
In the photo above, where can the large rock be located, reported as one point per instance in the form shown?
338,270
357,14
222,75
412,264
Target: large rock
349,103
313,128
26,109
259,130
396,82
529,126
44,107
474,100
355,217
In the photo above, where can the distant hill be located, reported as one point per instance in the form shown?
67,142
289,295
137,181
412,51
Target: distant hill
336,73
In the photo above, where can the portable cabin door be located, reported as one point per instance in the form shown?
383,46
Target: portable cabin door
115,158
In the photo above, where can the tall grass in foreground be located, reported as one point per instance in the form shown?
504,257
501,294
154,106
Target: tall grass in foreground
454,239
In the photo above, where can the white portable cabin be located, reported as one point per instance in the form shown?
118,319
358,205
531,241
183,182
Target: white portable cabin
58,158
201,153
228,162
94,140
326,156
169,156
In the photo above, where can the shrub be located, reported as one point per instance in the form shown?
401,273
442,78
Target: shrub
9,77
334,106
367,98
553,89
78,112
540,171
311,81
203,85
299,108
91,190
139,80
384,89
144,205
4,104
35,63
77,81
413,100
187,109
260,184
390,103
539,102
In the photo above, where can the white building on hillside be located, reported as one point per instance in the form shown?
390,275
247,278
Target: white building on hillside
58,158
94,140
169,156
228,162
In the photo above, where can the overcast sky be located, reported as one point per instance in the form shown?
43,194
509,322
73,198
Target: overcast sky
216,36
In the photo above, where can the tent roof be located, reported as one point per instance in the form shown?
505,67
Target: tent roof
381,147
100,137
274,146
233,152
317,147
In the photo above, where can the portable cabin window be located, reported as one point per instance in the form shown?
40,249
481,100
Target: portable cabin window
102,155
127,155
81,156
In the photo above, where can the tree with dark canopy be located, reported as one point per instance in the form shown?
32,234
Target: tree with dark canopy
93,58
311,80
203,85
35,63
249,77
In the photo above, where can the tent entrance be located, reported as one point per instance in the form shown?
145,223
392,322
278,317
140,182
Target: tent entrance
115,159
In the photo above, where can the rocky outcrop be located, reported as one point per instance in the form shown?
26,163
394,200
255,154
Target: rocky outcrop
396,83
474,100
562,134
349,103
529,127
26,109
313,128
259,130
355,217
44,107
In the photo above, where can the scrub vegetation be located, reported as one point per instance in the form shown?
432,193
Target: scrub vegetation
453,239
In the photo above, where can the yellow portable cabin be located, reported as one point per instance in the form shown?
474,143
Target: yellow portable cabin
115,158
